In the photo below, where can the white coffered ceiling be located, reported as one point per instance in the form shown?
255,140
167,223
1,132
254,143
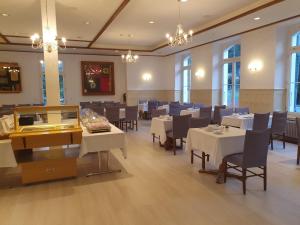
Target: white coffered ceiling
133,18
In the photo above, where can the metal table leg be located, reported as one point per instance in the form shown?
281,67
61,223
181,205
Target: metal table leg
103,167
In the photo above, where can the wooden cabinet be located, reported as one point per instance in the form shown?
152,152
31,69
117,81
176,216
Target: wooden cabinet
37,171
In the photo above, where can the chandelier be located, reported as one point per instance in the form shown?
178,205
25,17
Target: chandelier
181,37
49,41
129,57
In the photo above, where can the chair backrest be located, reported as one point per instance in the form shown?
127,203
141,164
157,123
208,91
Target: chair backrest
22,105
298,128
158,112
161,103
261,121
205,112
84,104
256,148
174,109
226,112
131,113
152,105
181,125
98,109
242,110
279,121
189,105
175,103
198,106
199,122
112,114
217,116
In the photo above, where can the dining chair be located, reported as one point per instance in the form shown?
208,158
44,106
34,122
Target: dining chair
113,115
84,104
226,112
205,112
152,104
161,103
98,109
198,105
131,117
298,134
261,121
158,112
254,156
217,116
189,105
278,126
180,129
174,109
242,110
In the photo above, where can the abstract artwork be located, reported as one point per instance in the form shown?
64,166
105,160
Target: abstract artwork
97,78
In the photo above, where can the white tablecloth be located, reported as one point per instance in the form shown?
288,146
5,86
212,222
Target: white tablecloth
103,141
159,127
242,121
194,112
164,107
7,157
216,145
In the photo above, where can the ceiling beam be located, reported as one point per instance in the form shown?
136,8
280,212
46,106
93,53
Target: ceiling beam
111,19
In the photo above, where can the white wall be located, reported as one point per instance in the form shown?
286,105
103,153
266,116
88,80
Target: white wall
31,77
160,69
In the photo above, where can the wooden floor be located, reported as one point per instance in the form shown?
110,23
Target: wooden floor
155,188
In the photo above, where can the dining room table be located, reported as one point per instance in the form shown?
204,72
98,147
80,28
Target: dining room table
160,126
217,143
243,121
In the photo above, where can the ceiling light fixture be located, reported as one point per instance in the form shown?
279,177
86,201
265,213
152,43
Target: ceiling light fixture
180,38
4,14
49,41
151,22
256,18
87,22
129,57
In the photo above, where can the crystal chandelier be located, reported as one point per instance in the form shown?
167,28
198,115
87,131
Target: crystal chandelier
49,41
181,37
129,57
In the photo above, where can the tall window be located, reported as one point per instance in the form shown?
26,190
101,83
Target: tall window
61,83
294,101
231,75
186,78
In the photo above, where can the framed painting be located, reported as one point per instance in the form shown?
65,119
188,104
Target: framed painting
97,78
10,78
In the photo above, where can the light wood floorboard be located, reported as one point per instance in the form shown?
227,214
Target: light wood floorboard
155,188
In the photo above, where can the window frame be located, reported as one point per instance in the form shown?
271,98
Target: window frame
234,61
189,69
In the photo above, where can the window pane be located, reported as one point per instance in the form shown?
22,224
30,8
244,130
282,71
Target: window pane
187,61
229,74
296,39
236,95
233,52
229,95
297,84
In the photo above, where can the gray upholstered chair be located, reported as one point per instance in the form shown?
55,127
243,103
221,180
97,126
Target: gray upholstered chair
226,112
152,104
84,105
198,123
217,116
113,115
158,112
242,110
198,105
181,125
98,109
298,134
254,156
131,117
205,112
161,103
261,121
174,109
189,105
279,121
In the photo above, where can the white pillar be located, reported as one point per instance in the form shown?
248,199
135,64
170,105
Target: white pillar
50,58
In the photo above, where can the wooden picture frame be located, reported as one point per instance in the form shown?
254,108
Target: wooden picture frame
97,78
10,78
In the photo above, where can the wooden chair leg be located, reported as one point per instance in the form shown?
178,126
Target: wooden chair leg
265,178
207,158
192,156
244,180
126,126
174,146
153,138
298,155
203,160
136,125
283,140
225,172
181,142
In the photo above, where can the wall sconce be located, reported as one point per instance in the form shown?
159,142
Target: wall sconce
200,73
147,76
255,65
